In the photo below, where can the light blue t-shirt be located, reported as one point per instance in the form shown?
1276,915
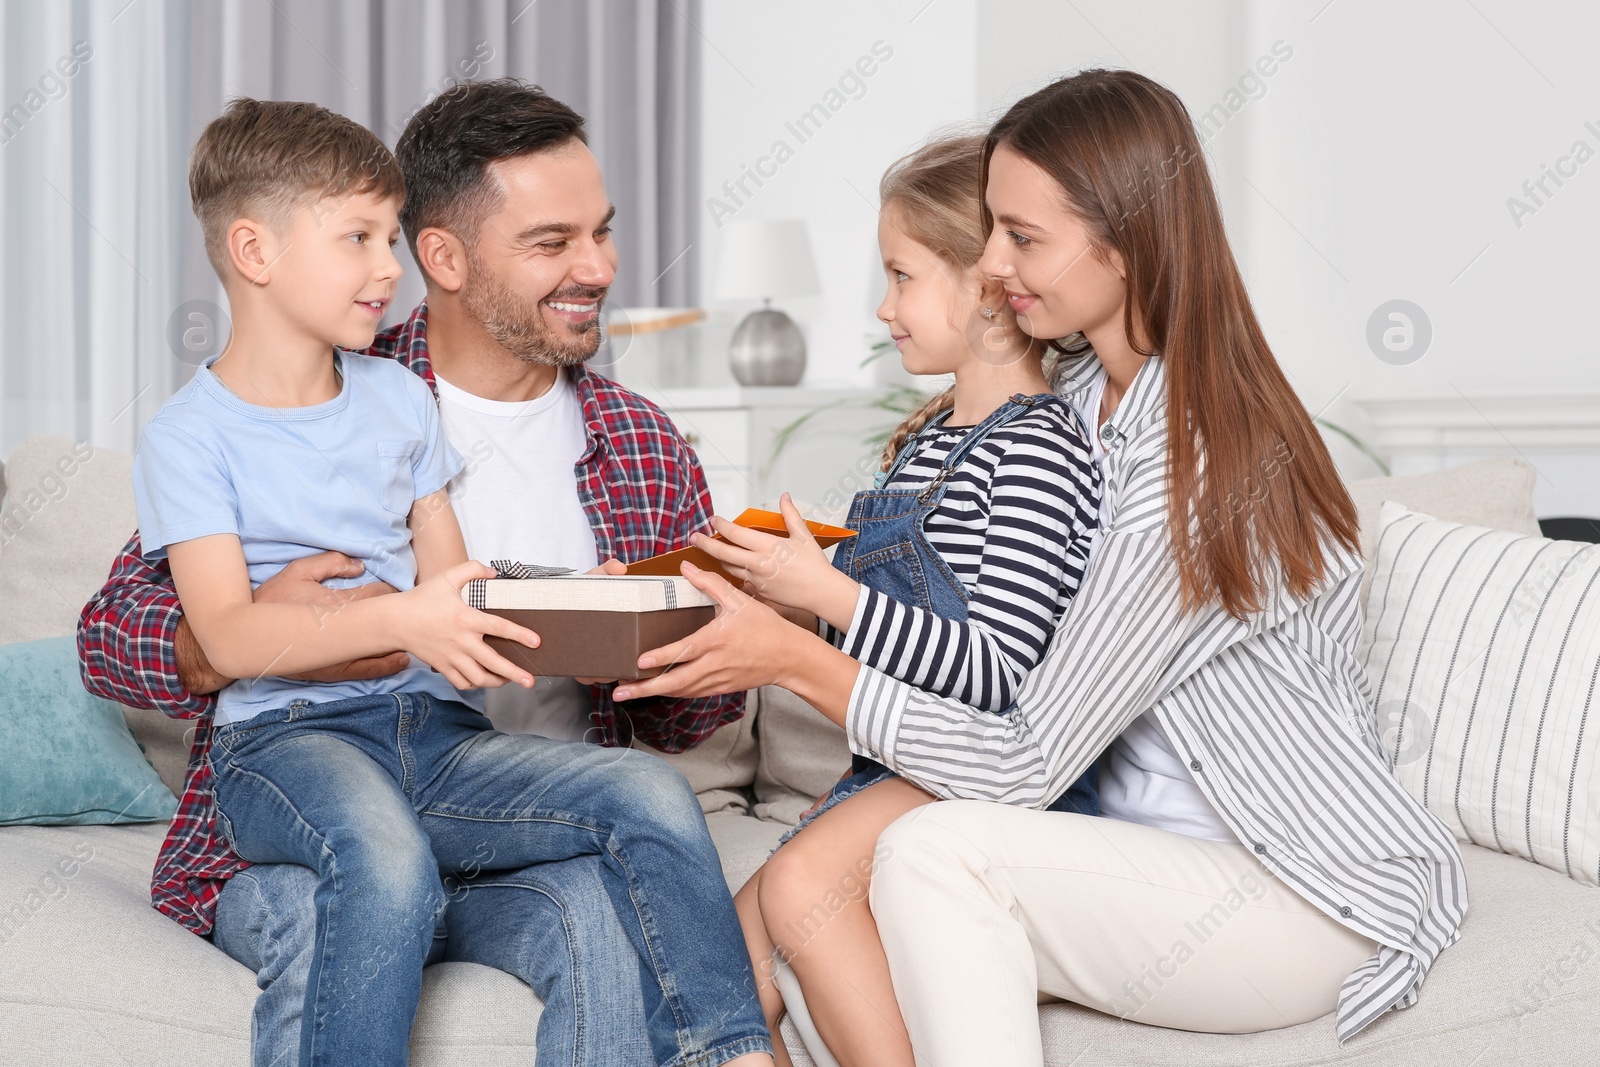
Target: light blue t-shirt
292,482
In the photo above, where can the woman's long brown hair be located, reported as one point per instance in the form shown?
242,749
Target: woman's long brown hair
1268,500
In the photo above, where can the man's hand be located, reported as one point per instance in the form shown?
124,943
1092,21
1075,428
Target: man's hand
300,582
194,670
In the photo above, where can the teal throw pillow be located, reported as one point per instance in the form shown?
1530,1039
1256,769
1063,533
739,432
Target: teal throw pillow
68,757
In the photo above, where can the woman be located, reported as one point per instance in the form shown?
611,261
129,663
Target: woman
1258,865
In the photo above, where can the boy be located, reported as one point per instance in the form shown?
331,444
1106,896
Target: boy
284,446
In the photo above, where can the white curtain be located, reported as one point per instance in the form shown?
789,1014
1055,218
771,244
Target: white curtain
107,292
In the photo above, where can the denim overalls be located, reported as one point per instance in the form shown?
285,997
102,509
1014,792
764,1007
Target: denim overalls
891,553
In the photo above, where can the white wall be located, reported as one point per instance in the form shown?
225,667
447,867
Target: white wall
1396,140
1196,49
765,63
1375,163
1393,143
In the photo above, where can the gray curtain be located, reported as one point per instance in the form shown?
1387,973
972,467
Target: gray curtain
101,263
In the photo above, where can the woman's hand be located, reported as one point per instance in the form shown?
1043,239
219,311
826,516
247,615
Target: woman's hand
791,571
742,648
747,645
806,620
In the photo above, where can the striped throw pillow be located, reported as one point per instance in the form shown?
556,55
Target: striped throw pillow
1483,650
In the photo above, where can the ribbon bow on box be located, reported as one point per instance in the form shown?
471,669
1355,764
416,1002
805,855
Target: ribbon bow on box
473,593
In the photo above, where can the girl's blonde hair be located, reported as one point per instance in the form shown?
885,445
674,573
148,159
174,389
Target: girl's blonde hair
936,193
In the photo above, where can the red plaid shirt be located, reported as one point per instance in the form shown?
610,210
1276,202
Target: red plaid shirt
644,492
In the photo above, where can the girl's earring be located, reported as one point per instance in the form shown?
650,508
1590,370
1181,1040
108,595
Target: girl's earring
988,313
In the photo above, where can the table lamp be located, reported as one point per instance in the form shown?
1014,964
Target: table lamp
762,259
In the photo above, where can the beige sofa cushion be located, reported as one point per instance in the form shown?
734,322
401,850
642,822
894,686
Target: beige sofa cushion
1520,987
743,844
68,512
782,745
164,741
1497,493
720,768
802,755
90,974
60,530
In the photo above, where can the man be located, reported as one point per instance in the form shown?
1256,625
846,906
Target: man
507,216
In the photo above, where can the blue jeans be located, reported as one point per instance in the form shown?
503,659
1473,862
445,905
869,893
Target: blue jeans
550,924
378,795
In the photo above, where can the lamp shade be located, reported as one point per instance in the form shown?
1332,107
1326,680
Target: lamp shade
764,258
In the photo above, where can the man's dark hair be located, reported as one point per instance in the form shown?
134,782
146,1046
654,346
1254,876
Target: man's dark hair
449,143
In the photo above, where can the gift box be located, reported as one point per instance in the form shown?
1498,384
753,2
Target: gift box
589,625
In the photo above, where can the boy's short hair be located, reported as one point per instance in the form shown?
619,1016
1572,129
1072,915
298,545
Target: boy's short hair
266,159
446,148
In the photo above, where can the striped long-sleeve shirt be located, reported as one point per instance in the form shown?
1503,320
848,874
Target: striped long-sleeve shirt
1273,715
1015,527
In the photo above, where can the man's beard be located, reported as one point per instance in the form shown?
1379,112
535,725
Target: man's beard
520,326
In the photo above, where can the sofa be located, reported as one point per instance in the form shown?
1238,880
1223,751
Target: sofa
91,974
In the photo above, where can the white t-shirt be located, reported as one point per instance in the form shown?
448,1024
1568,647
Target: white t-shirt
1142,779
517,499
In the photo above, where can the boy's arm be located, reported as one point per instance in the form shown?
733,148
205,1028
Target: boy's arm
436,538
135,645
243,638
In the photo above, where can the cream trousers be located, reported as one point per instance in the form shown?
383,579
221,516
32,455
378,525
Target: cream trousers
987,911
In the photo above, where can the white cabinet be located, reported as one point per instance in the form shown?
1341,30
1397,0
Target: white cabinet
734,430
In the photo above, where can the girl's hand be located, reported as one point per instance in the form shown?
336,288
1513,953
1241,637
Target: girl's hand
438,627
791,571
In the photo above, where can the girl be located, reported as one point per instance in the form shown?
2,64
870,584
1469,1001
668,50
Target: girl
1214,645
966,553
